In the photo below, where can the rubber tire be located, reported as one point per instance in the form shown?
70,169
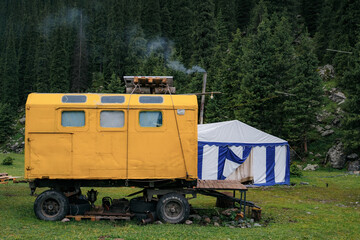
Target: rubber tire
173,198
56,196
138,205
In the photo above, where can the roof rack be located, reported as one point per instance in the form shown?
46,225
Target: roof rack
149,84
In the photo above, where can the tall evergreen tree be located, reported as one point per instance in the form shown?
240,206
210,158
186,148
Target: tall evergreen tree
311,10
31,36
42,66
350,82
151,18
226,79
182,23
203,33
266,67
10,71
59,63
305,95
243,9
228,10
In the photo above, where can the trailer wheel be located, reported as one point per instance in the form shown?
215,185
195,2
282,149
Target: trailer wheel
173,208
51,206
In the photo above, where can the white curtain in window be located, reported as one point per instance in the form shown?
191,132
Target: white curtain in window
112,119
150,119
73,119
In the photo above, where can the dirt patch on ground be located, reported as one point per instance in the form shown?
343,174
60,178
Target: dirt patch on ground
10,195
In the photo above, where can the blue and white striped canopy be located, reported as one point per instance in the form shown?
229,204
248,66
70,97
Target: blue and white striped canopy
223,147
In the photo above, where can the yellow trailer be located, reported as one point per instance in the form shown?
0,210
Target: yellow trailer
111,136
115,140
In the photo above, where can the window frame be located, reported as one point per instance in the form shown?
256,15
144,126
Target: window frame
110,129
143,127
72,128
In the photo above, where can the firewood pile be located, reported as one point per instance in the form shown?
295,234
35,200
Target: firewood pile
5,178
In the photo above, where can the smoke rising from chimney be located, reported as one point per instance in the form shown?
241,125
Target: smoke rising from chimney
166,47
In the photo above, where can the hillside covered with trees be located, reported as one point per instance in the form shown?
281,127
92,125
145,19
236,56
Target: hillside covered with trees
262,55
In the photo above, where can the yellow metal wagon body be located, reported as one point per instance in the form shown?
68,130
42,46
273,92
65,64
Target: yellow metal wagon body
111,136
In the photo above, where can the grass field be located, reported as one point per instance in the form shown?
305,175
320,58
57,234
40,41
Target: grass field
312,211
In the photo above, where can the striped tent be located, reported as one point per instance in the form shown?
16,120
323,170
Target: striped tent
236,151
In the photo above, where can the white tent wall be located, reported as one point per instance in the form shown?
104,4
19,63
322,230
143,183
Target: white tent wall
236,151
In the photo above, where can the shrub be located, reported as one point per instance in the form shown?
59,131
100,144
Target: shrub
295,171
8,161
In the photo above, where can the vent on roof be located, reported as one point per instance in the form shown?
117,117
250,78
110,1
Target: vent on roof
112,99
73,99
151,99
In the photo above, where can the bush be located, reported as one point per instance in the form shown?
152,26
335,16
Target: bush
8,161
295,171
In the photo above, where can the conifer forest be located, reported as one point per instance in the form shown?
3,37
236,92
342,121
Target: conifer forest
266,57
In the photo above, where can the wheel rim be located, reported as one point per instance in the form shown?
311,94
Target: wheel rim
50,207
173,209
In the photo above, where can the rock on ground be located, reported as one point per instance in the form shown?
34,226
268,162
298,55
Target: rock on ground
311,167
336,96
188,222
352,157
336,156
326,72
354,166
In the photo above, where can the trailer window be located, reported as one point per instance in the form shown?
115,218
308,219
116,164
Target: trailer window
73,118
151,99
150,119
112,99
73,99
112,119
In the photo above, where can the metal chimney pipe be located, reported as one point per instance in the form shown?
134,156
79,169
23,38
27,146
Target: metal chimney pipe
202,106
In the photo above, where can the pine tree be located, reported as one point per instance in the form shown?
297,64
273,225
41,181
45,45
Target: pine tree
228,11
31,36
203,33
42,66
243,9
10,69
115,45
182,24
266,67
214,79
150,18
305,95
350,82
166,30
59,65
226,79
136,46
311,10
115,85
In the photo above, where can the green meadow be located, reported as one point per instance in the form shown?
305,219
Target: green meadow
328,207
